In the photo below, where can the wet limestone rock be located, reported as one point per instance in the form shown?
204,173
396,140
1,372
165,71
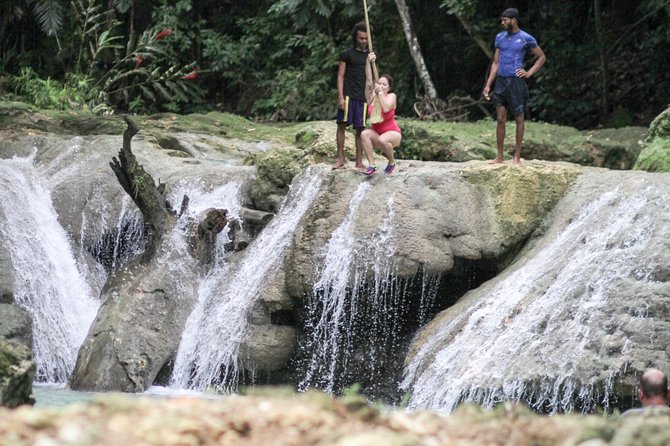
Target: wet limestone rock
17,372
445,214
655,156
6,276
139,325
15,322
574,320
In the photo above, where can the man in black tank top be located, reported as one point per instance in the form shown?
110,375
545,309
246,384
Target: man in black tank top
351,93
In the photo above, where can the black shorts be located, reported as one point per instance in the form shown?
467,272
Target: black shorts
512,93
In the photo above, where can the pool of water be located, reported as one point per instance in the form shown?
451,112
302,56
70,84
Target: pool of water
57,395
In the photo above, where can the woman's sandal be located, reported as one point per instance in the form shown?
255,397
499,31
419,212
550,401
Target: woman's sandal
390,167
370,170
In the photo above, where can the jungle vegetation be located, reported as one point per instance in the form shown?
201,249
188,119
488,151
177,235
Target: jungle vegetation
608,61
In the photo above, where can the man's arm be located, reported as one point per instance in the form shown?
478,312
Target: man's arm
340,84
540,58
492,74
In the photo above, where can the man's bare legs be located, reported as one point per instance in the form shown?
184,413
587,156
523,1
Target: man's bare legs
501,115
501,122
339,138
520,129
359,150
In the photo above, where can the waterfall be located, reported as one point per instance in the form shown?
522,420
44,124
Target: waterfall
48,283
526,336
208,352
358,307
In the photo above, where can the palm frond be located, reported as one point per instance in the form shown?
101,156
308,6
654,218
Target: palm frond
49,14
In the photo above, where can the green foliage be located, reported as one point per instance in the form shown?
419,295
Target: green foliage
303,92
146,80
277,59
49,14
94,30
74,93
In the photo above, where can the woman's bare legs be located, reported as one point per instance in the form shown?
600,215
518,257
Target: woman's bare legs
368,137
385,142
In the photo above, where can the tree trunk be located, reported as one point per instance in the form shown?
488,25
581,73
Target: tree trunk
415,50
481,43
140,186
604,67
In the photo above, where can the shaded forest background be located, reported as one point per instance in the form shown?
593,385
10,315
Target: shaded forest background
608,62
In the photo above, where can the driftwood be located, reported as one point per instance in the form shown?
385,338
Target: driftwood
157,214
456,109
140,186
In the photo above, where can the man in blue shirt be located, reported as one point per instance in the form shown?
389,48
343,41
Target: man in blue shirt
511,91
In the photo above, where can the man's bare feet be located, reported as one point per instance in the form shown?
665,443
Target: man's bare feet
497,161
516,161
338,165
360,166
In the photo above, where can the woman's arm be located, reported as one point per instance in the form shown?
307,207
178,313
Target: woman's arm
369,82
388,102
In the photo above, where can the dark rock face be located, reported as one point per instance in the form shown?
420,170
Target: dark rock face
16,374
16,324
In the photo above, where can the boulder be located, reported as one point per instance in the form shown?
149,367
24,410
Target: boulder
17,372
16,324
490,211
275,171
655,156
573,321
139,325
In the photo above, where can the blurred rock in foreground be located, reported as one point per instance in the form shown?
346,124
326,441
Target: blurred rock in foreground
311,419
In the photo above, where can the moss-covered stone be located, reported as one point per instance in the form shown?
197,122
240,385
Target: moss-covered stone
655,156
275,171
422,140
17,372
523,196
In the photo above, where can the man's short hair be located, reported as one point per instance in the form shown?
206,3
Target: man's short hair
510,13
654,384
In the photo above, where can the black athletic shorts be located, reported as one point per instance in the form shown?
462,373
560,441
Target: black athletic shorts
512,93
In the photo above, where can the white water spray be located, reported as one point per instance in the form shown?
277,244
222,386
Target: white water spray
358,305
215,330
507,346
47,283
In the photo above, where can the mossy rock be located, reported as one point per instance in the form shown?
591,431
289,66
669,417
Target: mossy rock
655,156
17,372
518,214
275,170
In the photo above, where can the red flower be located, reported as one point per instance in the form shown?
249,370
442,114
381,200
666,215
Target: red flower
138,61
166,32
191,76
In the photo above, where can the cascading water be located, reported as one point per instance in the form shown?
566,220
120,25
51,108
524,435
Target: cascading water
201,199
358,307
215,330
509,345
48,283
125,241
